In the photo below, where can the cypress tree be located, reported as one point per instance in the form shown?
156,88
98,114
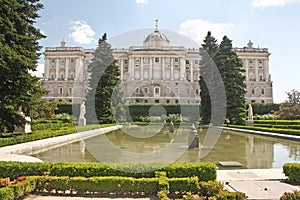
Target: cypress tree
208,51
231,70
104,78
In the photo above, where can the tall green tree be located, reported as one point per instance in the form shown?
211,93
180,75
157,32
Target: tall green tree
208,51
231,70
104,79
19,49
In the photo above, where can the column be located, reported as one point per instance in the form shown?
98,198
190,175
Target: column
46,68
163,60
266,69
256,70
57,69
150,68
142,68
131,67
182,70
192,70
67,69
172,69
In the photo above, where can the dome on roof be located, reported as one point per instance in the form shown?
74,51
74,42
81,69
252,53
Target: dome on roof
156,38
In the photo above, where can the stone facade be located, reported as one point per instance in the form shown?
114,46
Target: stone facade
258,78
153,73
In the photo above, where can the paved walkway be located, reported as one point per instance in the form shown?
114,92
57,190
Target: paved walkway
256,183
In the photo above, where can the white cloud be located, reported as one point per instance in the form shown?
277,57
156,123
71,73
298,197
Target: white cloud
197,29
267,3
82,32
141,1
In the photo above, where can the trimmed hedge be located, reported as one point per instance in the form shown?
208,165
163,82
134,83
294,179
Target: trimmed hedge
118,185
272,130
82,185
204,171
297,127
278,122
292,171
190,184
264,108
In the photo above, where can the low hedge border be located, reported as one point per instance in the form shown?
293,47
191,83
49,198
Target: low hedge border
278,122
204,171
292,171
117,185
272,130
43,134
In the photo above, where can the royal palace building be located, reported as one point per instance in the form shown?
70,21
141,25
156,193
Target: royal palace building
155,72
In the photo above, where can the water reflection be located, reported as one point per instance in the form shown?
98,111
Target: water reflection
141,146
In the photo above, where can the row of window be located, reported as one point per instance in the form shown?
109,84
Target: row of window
62,60
52,77
159,60
253,101
161,101
251,61
262,91
156,90
62,91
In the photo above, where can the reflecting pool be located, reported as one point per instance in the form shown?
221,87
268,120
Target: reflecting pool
156,144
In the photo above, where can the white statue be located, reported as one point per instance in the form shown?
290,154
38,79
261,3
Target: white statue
250,113
82,120
27,125
82,110
249,121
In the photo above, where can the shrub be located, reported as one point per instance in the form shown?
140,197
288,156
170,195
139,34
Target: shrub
16,169
292,170
18,190
291,195
210,188
184,184
226,195
99,184
204,171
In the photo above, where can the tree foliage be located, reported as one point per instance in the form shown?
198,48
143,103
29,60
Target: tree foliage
290,109
231,70
103,82
229,66
18,56
208,52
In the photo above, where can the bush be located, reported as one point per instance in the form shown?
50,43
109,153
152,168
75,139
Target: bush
210,188
184,185
226,195
292,171
272,130
106,184
204,171
291,195
264,108
278,122
18,190
16,169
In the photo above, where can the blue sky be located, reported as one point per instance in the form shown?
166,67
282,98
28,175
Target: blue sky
273,24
